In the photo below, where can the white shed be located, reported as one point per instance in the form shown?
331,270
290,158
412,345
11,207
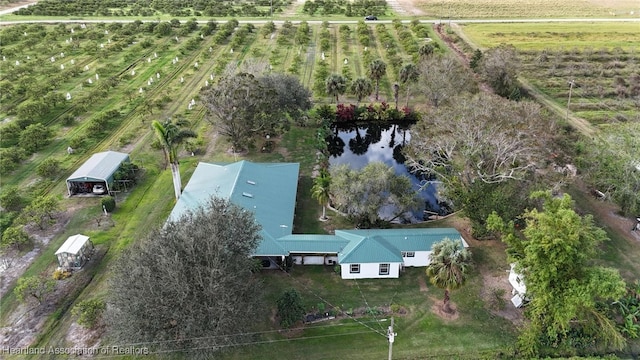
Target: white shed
75,252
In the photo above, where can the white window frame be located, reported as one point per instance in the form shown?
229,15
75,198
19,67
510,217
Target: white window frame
382,266
408,254
354,268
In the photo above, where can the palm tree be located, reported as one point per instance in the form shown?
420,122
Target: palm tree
408,74
171,135
361,87
448,268
320,190
336,85
396,90
377,69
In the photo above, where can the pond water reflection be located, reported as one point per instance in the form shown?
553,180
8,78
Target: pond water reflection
359,145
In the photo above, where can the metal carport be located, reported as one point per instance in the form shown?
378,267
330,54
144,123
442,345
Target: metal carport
99,169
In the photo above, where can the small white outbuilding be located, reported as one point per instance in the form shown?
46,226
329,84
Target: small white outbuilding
75,252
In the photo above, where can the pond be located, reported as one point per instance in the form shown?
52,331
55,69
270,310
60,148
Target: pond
359,145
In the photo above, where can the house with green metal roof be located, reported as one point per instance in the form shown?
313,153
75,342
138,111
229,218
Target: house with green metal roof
269,191
266,189
98,170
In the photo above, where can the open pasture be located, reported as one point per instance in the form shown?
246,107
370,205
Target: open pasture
514,9
541,36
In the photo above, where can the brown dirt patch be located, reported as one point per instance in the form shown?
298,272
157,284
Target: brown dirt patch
436,308
410,7
82,338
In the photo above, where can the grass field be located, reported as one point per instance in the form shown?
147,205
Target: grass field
482,9
541,36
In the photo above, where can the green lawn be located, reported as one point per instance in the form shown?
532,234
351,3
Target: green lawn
421,333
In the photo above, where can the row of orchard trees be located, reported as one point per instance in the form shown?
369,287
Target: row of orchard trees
109,8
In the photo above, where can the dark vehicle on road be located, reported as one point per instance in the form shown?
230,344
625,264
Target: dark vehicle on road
371,17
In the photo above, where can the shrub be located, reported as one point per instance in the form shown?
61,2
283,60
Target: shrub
11,199
34,287
49,168
290,309
15,237
108,203
61,274
89,312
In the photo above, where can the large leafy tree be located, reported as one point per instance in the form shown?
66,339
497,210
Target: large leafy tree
483,141
377,70
448,268
291,97
239,106
242,105
556,255
361,88
336,85
321,190
362,194
190,283
171,135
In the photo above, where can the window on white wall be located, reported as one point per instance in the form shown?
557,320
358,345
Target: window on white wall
384,269
408,254
355,268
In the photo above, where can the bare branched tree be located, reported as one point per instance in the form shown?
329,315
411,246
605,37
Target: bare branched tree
442,77
484,138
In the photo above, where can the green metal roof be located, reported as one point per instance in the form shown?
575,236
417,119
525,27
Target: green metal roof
266,189
269,191
326,244
268,246
99,167
407,239
369,249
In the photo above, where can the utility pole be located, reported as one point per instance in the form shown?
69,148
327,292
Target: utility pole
571,83
391,336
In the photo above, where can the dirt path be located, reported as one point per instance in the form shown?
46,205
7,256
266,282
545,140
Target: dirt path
11,7
293,8
405,7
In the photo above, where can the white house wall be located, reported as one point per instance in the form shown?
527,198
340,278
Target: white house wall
315,260
421,258
370,271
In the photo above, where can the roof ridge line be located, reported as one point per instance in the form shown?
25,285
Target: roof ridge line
235,181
